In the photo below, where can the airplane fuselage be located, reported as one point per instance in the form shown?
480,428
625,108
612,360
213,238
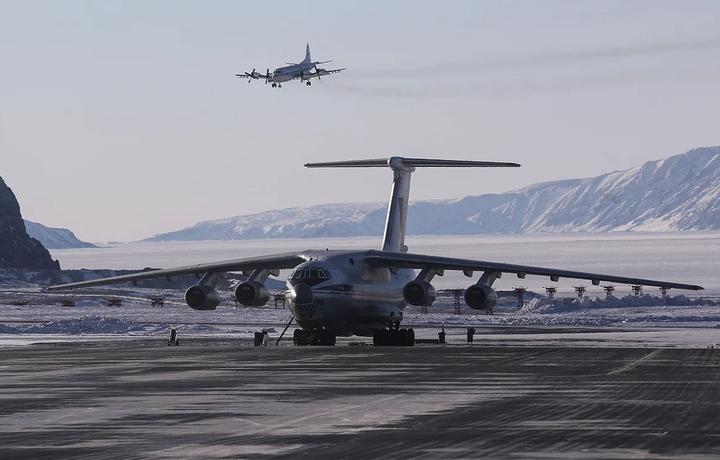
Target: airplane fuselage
283,74
348,296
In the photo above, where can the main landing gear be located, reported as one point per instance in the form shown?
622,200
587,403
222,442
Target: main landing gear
315,337
308,83
394,337
276,85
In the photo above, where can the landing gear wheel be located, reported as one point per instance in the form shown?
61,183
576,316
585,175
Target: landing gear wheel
384,335
308,83
301,337
411,337
402,338
328,338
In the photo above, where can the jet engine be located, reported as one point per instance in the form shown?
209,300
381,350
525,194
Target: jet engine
419,293
480,297
252,294
202,297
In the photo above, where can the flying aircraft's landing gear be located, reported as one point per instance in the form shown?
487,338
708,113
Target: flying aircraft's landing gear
394,337
274,85
304,337
308,83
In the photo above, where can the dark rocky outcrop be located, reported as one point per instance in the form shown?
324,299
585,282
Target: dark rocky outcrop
17,248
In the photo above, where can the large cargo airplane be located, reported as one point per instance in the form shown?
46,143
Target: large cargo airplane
334,293
302,71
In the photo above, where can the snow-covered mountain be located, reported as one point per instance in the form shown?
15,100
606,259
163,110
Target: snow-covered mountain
55,238
678,193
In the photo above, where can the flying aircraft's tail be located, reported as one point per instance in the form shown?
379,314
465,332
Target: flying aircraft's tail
394,237
307,59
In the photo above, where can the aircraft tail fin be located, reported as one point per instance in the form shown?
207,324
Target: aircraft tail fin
395,224
307,54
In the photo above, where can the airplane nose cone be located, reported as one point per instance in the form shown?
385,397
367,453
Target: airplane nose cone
301,294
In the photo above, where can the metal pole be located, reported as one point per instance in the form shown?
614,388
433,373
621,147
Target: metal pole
286,328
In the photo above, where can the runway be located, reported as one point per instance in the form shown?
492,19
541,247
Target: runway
219,398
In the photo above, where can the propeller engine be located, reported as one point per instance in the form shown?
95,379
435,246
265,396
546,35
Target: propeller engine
480,297
419,293
252,294
202,297
252,75
257,75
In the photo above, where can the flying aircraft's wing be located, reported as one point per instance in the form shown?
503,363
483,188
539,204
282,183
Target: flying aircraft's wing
272,262
320,73
418,261
324,72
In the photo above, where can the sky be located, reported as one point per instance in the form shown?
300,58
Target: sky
123,119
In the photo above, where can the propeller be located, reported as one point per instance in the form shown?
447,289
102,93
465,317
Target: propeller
317,71
251,75
267,76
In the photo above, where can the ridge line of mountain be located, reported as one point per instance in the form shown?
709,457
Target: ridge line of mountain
681,192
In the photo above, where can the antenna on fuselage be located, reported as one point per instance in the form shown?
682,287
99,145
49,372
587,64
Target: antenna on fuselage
395,224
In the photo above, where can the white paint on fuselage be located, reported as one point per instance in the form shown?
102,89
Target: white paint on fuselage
283,74
356,300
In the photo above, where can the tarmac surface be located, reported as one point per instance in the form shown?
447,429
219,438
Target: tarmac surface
217,398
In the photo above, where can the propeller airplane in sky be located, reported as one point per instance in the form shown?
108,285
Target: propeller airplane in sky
302,71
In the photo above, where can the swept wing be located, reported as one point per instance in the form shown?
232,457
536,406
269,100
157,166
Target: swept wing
419,261
271,262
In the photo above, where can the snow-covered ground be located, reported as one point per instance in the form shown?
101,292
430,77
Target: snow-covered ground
30,316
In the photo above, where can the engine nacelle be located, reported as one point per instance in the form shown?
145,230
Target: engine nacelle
202,297
480,297
252,294
419,293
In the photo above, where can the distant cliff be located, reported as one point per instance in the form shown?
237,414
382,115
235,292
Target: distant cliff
17,248
679,193
55,238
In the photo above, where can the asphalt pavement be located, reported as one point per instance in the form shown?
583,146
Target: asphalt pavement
218,398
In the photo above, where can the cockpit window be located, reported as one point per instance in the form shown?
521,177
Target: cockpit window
309,275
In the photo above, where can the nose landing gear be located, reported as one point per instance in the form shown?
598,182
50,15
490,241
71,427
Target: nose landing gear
304,337
394,337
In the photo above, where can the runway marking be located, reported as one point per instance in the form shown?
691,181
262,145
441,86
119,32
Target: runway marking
635,363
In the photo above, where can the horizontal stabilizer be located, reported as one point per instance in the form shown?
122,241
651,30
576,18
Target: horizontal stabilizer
412,162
